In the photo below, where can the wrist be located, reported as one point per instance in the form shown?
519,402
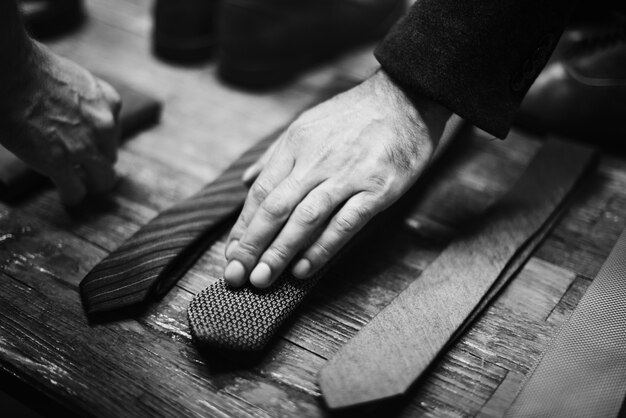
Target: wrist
427,115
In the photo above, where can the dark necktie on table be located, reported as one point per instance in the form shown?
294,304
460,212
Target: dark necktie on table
583,371
387,356
152,260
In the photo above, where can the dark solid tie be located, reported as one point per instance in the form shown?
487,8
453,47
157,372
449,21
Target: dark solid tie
583,371
398,345
152,260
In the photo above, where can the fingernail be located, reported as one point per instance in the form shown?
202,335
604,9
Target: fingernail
302,269
235,273
231,248
248,174
261,275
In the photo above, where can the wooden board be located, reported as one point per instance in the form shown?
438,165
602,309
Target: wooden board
148,366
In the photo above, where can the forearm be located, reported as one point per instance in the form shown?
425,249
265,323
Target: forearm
476,57
16,55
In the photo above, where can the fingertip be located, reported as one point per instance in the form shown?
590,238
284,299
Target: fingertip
112,96
235,274
302,269
261,276
250,174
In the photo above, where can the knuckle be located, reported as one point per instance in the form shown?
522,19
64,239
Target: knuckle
378,183
346,222
293,183
351,220
312,213
274,209
259,190
322,250
242,222
308,214
277,254
295,133
247,248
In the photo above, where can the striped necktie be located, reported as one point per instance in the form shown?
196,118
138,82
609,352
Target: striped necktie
152,260
583,371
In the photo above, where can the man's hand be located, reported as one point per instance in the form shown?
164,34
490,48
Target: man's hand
334,168
65,125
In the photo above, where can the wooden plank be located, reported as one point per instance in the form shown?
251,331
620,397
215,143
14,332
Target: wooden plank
503,397
206,125
402,340
583,240
167,320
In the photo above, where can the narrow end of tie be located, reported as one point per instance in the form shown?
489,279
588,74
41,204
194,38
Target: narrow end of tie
101,300
343,388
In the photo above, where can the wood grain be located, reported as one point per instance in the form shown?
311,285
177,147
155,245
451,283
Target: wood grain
47,345
395,348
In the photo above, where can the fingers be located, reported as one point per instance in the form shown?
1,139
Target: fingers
255,169
268,180
75,181
350,219
91,164
264,225
307,218
107,122
112,97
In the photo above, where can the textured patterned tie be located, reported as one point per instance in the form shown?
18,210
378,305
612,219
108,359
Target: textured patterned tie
583,371
246,318
152,260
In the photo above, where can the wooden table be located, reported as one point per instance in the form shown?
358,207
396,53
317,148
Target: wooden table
148,365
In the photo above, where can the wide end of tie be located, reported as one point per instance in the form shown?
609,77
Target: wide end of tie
243,319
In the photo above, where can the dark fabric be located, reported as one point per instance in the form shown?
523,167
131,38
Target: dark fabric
476,57
246,319
15,57
583,371
153,259
399,344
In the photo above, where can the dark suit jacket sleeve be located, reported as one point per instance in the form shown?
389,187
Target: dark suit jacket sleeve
476,57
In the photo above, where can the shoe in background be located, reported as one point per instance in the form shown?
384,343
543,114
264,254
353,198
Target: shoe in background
266,43
46,18
581,94
184,30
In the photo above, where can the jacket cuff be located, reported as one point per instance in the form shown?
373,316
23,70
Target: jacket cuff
476,57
